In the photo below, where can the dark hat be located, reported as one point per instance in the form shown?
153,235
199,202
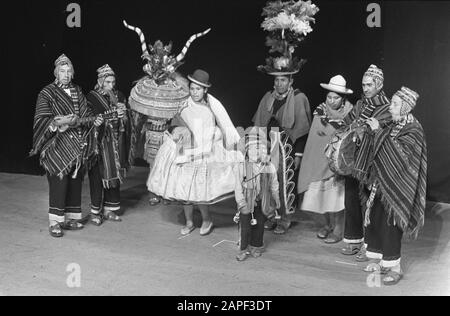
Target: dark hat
200,77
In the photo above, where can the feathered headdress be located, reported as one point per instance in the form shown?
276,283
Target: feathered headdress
288,24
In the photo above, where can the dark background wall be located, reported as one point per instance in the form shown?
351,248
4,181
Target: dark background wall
412,46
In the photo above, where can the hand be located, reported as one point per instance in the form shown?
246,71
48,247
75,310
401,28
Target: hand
373,123
98,121
64,119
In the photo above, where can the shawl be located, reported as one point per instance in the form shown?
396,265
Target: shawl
114,140
398,167
314,166
61,151
294,116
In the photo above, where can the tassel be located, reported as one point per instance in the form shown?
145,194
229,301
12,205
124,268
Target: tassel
369,205
77,168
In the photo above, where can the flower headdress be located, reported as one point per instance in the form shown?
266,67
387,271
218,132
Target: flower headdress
288,24
160,63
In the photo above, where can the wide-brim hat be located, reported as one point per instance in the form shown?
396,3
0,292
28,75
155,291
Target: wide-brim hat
201,78
282,66
337,84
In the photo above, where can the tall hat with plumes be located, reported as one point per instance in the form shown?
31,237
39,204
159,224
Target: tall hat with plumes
105,71
288,23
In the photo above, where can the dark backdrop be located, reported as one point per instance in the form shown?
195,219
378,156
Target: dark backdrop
412,46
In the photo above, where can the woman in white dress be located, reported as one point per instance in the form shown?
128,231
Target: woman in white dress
323,191
195,163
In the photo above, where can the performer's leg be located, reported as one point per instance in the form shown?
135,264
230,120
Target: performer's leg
189,215
257,232
244,237
373,234
353,230
207,224
111,202
96,189
73,198
57,199
391,242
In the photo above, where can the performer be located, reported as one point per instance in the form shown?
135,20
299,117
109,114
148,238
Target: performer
286,109
394,179
374,103
64,145
195,164
323,191
112,161
256,193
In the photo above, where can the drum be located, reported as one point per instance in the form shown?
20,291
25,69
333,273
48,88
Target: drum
341,150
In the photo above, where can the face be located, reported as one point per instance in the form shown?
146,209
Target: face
197,92
282,84
334,100
395,108
369,87
65,74
109,83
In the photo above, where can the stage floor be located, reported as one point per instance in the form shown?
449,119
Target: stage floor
145,254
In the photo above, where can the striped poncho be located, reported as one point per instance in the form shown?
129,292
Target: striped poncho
113,139
397,165
61,151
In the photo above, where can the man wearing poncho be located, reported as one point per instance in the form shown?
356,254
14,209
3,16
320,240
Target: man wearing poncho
394,178
112,160
64,145
374,103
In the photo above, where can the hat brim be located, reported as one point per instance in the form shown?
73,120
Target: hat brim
342,90
206,85
282,73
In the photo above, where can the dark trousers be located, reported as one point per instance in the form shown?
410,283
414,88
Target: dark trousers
109,198
382,236
353,229
252,235
64,198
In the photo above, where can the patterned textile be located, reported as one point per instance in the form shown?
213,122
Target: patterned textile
398,167
60,151
114,140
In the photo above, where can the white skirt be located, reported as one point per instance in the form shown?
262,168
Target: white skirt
326,196
205,181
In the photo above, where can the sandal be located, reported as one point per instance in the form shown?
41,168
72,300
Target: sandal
361,255
112,216
392,277
72,225
207,230
186,230
279,230
270,224
96,219
332,239
351,249
154,201
256,252
56,231
323,232
242,255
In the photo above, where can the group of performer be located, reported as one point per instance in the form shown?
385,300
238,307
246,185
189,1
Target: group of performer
273,168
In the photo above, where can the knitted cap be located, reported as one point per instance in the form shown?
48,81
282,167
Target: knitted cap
375,73
408,96
62,60
105,71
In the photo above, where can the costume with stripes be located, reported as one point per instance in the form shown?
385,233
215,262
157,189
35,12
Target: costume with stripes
64,155
112,162
377,107
396,176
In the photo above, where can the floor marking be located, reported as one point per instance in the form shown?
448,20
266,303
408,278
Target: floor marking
351,264
184,236
233,242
